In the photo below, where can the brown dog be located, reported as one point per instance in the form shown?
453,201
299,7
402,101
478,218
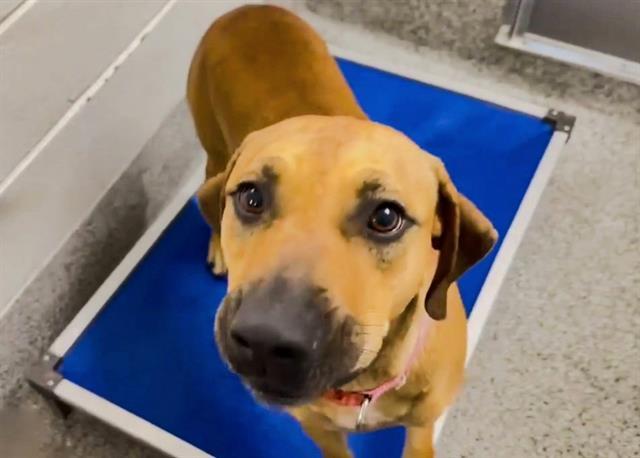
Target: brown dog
334,231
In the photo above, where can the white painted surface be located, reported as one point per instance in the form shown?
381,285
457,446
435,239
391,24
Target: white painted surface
7,7
40,210
49,56
83,99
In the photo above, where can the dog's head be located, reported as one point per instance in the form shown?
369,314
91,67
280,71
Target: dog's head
330,226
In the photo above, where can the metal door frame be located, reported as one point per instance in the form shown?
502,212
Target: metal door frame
514,34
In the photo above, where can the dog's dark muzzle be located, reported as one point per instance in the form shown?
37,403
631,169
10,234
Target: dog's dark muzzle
282,337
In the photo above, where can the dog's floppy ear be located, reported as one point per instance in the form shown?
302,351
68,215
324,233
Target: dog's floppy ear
211,196
462,234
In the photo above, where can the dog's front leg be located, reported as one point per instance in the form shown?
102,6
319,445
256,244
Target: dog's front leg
331,442
209,201
419,442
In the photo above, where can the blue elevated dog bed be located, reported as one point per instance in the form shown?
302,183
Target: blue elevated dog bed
142,355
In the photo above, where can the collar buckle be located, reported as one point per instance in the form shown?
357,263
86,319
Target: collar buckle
363,412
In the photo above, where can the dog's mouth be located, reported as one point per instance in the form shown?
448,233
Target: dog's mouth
277,395
278,398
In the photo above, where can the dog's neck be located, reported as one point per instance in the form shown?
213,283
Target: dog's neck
391,368
397,347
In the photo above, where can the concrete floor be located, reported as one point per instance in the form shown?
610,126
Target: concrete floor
557,370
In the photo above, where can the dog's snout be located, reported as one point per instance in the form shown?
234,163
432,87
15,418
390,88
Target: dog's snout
277,333
270,346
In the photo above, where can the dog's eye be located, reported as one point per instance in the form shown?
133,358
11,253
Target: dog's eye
249,199
386,219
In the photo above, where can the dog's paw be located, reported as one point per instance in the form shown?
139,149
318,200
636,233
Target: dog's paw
215,260
217,272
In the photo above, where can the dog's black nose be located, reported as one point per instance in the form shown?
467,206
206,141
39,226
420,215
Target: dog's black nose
277,335
270,348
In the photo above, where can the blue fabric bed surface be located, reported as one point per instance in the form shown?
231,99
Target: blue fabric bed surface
151,349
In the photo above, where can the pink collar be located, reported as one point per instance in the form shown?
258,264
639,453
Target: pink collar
364,399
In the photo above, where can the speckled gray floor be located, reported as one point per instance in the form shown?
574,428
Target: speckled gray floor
557,371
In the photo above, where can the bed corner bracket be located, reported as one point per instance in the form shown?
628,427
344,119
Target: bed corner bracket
561,121
44,378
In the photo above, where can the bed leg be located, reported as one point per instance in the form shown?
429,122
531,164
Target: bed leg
43,378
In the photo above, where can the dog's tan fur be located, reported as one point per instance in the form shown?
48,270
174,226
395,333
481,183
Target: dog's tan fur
263,90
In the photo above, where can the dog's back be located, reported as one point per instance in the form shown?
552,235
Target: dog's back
255,66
